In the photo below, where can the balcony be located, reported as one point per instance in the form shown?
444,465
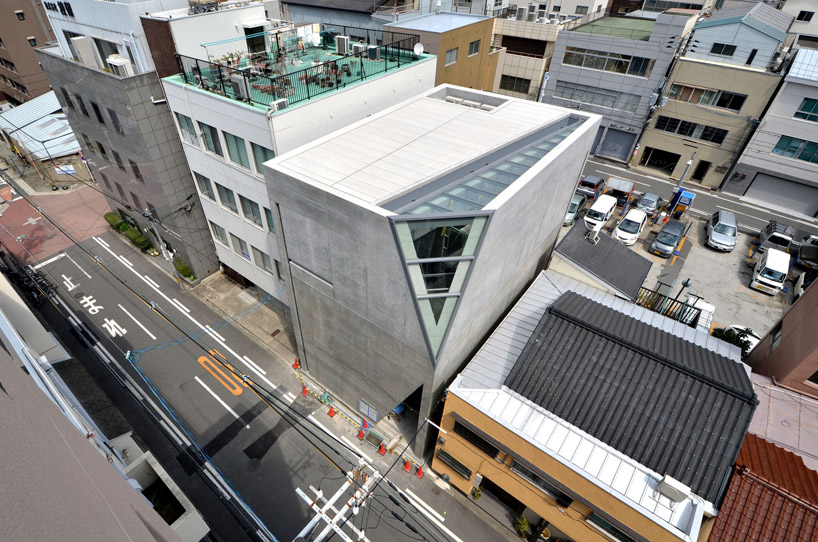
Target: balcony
304,71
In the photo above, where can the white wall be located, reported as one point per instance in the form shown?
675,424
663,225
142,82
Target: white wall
742,36
191,31
794,7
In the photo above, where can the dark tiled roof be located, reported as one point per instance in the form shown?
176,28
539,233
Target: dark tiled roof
363,6
772,497
675,407
608,261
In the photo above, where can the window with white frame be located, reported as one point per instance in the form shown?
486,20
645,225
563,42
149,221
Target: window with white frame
808,110
240,246
227,198
805,16
187,129
723,49
219,233
251,211
270,224
263,260
261,155
211,138
474,47
451,57
581,10
704,96
205,186
237,150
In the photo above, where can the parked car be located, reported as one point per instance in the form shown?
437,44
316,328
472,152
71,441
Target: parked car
621,189
591,186
770,272
776,235
575,208
750,334
600,212
669,238
722,229
629,228
649,203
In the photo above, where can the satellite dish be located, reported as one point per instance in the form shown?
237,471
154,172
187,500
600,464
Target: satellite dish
315,39
418,49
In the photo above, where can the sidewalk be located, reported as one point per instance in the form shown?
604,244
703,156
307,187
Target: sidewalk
451,511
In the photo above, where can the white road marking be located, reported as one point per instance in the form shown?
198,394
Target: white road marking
151,335
196,322
212,331
103,243
219,399
289,396
151,282
357,450
253,364
129,264
187,310
78,266
320,426
435,521
51,260
424,505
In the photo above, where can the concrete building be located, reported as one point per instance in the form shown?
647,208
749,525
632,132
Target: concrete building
529,47
702,6
565,10
789,352
805,25
24,26
716,93
104,77
462,43
595,419
297,88
393,228
615,66
779,166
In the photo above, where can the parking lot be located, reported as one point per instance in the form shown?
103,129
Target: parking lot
720,278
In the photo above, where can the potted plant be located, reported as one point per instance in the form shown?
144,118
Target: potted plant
476,493
523,527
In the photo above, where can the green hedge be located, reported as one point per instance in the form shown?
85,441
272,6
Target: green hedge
113,219
136,237
183,269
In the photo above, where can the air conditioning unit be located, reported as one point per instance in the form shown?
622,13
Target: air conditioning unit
342,45
120,66
358,48
278,105
239,86
374,52
82,47
531,17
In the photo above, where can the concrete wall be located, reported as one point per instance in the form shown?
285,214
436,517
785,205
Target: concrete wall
225,24
802,28
796,357
757,86
745,39
570,519
20,52
524,66
312,14
149,139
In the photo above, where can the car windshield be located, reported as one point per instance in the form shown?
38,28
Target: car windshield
773,275
725,229
648,203
629,226
666,238
595,215
573,207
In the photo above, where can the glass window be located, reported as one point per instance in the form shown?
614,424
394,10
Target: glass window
32,41
808,110
278,269
263,260
534,478
474,47
118,160
515,84
451,56
606,526
135,169
475,439
67,98
205,186
723,49
105,180
97,112
640,66
251,211
101,149
187,129
237,150
729,100
136,201
240,246
115,120
270,224
456,465
581,10
261,155
87,141
227,198
211,138
805,16
219,233
20,15
81,103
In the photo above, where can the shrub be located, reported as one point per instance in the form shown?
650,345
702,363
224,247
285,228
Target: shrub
112,219
183,269
124,227
140,241
739,339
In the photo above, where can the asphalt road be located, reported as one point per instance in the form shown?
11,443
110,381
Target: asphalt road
751,217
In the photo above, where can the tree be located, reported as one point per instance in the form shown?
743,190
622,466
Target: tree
738,338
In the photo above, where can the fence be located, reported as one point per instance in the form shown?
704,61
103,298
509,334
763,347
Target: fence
680,311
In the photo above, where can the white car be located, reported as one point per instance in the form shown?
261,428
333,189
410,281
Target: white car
751,335
629,228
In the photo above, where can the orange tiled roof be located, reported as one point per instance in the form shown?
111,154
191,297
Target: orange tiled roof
772,497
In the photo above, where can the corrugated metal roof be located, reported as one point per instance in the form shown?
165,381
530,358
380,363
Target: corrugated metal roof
41,127
805,65
672,406
771,497
762,17
625,276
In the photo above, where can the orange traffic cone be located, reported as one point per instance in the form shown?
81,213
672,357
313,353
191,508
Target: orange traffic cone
304,390
419,473
360,434
366,425
407,467
296,365
331,412
382,449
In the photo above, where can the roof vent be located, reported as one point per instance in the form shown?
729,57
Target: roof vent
673,489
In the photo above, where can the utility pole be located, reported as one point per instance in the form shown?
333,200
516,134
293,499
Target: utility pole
164,250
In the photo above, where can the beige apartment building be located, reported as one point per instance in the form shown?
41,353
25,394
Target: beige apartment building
529,47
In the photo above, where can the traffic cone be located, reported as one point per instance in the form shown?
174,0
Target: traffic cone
360,434
382,449
407,467
331,412
304,390
296,365
366,425
419,473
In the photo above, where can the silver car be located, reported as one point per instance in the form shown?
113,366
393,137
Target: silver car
575,208
649,203
722,230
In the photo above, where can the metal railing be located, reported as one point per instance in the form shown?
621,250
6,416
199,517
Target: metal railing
251,84
681,311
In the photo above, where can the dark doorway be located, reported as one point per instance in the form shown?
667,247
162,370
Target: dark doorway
503,496
256,43
664,161
701,170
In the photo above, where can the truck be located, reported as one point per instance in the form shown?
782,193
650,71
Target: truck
785,238
770,271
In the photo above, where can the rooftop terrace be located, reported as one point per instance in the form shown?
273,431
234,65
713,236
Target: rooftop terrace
619,27
299,68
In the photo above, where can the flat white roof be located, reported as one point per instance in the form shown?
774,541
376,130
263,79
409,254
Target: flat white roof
408,145
437,22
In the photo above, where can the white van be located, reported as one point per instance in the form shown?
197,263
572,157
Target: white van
600,212
771,271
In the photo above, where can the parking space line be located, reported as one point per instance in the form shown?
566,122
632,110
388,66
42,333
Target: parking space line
219,399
